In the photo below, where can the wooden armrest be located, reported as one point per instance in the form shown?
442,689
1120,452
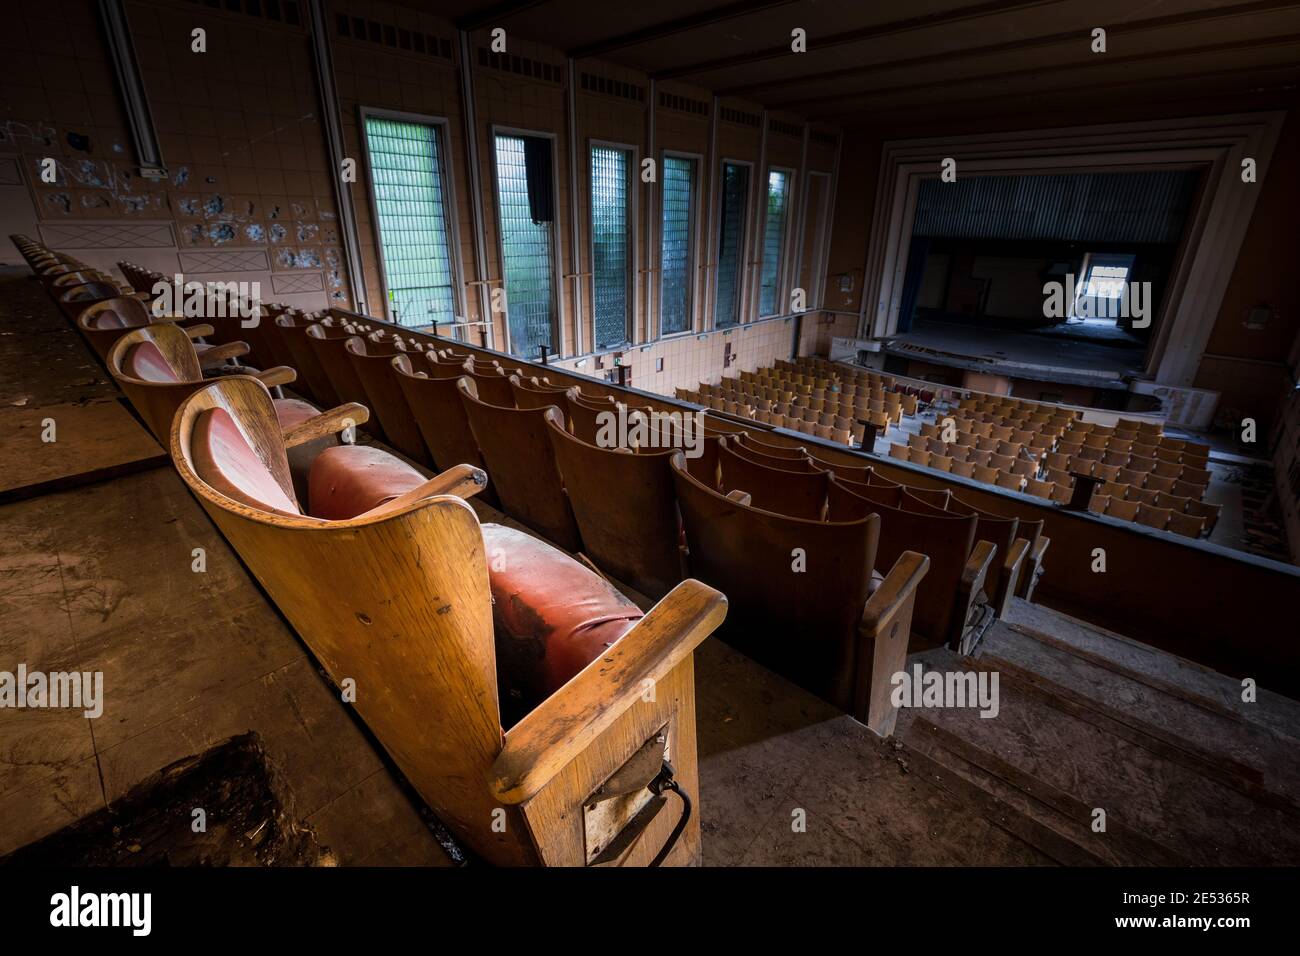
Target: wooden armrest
1011,568
198,331
973,577
463,481
561,727
277,375
1034,567
326,423
744,497
883,636
220,353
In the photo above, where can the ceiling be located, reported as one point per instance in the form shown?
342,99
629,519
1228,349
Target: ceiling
873,62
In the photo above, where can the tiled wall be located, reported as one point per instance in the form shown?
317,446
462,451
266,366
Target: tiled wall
250,192
247,197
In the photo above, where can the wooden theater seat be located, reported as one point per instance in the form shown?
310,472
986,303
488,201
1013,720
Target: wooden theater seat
436,407
803,597
794,491
520,461
474,673
950,601
372,361
625,507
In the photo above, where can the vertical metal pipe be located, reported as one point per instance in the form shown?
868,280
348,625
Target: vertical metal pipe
575,267
710,252
476,191
324,63
651,325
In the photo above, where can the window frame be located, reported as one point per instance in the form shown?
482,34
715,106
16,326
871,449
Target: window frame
693,264
745,239
781,296
442,129
557,297
634,246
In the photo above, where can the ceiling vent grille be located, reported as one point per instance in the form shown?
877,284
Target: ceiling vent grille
390,35
520,65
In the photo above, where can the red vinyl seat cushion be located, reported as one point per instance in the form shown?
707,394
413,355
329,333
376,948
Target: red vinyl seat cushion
349,480
553,615
146,362
226,461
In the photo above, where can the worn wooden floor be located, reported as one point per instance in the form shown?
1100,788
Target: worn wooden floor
98,576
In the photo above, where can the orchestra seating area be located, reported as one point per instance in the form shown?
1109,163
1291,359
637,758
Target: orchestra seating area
813,396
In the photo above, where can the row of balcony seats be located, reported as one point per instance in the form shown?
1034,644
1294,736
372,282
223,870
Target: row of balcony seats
470,644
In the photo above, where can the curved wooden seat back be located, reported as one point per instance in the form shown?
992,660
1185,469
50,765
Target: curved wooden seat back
267,339
439,414
520,463
373,363
753,443
585,415
796,588
329,343
746,450
797,494
531,393
626,509
946,538
493,385
166,347
862,474
60,282
103,322
1002,532
429,691
73,300
293,328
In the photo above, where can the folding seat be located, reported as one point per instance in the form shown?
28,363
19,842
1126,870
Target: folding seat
589,414
1166,469
987,444
1068,448
1188,489
1098,503
1145,465
920,457
1122,509
917,441
521,464
1134,478
1206,510
1193,449
930,431
103,322
1168,455
949,599
1115,489
941,462
1039,489
1089,453
979,457
1196,476
1062,494
936,447
436,407
1144,450
1153,517
534,392
1023,436
1123,445
372,361
1010,449
967,439
1007,480
1190,526
292,328
798,491
1058,461
1159,483
1095,439
1001,432
1001,462
964,468
1024,468
1143,495
472,718
1106,472
1117,458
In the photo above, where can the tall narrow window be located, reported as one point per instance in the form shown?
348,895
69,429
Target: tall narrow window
677,251
611,244
778,202
406,178
525,209
731,237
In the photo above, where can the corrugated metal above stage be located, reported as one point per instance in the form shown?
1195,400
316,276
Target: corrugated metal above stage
1084,207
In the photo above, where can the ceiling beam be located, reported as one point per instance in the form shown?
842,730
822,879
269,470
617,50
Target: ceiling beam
1110,60
987,9
658,31
754,90
1281,77
496,13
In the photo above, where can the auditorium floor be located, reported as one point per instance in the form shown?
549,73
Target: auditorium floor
97,574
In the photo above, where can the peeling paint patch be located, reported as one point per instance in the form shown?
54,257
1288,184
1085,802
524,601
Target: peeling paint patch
61,201
189,207
89,174
95,202
221,233
214,207
307,231
134,203
274,213
278,232
182,176
79,141
254,233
